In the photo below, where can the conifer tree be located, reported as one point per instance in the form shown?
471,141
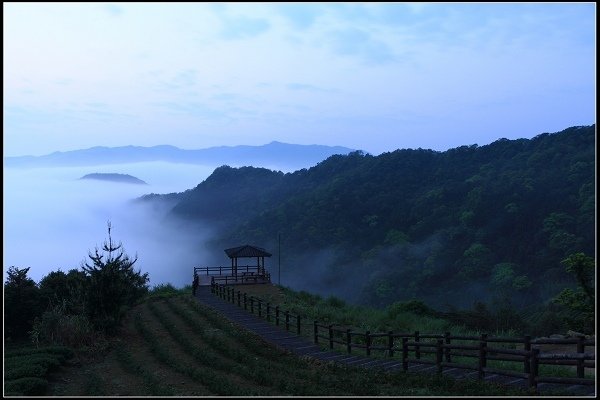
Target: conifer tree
113,284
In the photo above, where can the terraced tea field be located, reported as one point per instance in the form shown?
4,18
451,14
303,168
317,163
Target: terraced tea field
178,347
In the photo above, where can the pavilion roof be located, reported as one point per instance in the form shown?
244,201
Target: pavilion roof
247,251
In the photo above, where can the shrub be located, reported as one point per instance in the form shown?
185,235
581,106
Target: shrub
48,361
35,370
28,386
21,303
414,306
61,350
58,328
163,290
335,302
579,303
58,288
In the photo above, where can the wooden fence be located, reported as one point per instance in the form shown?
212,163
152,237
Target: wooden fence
523,354
225,275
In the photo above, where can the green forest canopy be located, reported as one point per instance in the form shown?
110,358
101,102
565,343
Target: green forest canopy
474,223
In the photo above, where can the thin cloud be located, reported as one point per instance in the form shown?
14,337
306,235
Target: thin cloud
357,42
300,16
307,87
113,10
243,27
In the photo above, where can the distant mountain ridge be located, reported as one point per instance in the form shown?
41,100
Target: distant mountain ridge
274,154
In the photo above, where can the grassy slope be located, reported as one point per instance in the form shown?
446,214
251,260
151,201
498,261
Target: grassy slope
176,347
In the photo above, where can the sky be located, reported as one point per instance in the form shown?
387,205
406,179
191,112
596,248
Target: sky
369,76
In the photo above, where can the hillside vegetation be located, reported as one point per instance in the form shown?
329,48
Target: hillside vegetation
469,227
173,346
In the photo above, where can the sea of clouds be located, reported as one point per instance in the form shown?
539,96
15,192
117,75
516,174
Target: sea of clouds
52,219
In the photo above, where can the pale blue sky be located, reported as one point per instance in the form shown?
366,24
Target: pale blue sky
376,77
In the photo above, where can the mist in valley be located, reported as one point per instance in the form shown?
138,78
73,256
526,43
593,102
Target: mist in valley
52,219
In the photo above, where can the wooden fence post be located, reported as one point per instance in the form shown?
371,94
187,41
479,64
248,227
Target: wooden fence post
245,301
580,362
439,355
330,336
239,296
368,340
391,344
316,332
527,348
269,312
482,355
252,304
298,326
417,348
534,370
349,340
277,315
287,320
405,354
259,308
447,339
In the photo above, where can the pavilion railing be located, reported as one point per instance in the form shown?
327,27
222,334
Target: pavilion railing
228,270
246,274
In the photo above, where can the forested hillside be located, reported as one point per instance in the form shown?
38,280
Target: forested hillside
475,223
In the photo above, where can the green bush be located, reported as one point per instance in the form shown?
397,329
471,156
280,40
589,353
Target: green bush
35,370
61,350
58,328
21,303
335,302
163,291
414,306
58,288
49,361
28,386
580,303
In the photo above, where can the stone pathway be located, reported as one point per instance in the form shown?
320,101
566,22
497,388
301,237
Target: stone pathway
302,346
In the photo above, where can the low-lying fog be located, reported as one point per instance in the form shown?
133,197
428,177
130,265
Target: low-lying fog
52,219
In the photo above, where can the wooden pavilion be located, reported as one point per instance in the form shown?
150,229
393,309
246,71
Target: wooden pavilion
248,251
236,274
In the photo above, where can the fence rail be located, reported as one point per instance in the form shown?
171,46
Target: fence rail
241,274
433,348
226,270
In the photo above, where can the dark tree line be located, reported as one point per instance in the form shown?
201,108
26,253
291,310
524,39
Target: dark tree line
68,308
